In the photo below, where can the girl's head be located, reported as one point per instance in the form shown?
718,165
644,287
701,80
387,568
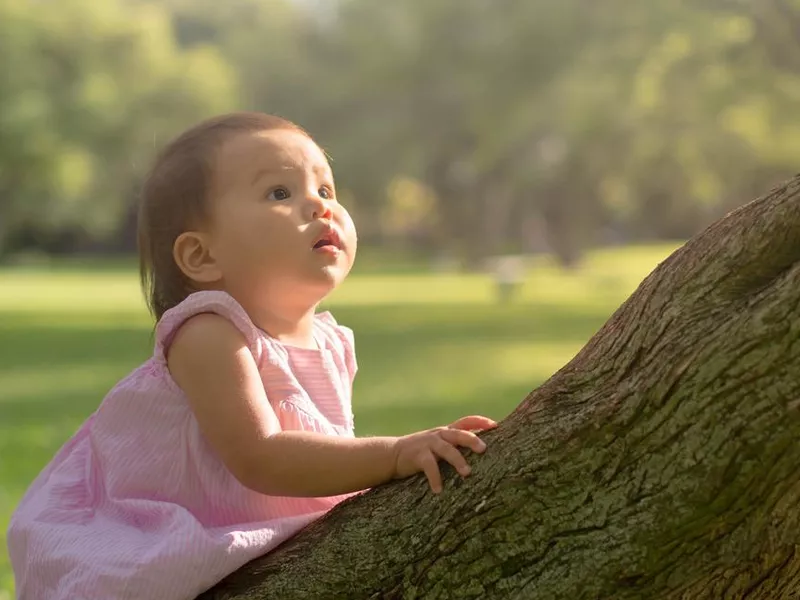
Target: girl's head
244,203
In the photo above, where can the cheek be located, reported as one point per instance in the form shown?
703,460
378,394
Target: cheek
348,226
239,242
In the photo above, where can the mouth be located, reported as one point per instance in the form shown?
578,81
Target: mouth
329,240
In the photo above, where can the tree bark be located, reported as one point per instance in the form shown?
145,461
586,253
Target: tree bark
662,462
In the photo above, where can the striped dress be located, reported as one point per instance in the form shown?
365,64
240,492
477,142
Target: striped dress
137,504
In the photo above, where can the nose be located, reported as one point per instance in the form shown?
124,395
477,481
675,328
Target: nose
318,208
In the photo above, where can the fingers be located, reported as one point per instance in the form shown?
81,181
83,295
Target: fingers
452,455
465,439
430,463
430,466
443,443
474,422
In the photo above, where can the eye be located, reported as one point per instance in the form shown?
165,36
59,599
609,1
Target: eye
326,193
279,194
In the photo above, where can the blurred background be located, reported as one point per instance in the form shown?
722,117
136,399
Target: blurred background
514,167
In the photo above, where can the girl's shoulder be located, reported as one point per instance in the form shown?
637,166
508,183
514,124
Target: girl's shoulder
217,302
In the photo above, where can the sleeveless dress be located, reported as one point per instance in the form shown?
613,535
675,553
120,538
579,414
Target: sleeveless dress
137,504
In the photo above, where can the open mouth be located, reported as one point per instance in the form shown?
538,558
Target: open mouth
330,240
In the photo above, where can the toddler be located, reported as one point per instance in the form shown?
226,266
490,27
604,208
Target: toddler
238,431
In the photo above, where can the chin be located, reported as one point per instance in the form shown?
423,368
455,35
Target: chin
332,276
324,281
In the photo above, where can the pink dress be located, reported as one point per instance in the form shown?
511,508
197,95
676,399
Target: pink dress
138,505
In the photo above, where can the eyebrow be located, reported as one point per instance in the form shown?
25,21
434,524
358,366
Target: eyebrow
318,169
262,172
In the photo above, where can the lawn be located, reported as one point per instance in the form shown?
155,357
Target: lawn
431,347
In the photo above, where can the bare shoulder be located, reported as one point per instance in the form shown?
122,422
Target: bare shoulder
206,335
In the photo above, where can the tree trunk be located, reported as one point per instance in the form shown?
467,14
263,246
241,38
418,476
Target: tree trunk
662,462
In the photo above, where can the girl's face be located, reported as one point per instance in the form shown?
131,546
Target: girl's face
277,232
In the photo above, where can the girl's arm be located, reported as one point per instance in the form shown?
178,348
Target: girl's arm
210,361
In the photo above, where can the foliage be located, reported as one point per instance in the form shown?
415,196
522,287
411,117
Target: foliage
89,90
531,122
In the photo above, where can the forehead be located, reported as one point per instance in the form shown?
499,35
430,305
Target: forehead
244,156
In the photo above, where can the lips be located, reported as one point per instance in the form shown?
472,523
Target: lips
329,238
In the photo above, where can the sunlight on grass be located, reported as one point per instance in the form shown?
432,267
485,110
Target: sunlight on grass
69,292
618,271
431,347
27,384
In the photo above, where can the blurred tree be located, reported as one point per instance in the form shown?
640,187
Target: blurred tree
704,119
586,116
447,92
638,120
90,90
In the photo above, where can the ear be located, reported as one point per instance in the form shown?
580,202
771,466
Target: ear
192,254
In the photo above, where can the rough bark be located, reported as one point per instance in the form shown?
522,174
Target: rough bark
662,462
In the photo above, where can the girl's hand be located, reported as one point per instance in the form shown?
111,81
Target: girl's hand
474,423
421,451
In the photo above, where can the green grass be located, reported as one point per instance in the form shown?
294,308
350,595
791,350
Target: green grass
431,347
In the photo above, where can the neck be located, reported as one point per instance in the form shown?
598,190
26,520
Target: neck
292,326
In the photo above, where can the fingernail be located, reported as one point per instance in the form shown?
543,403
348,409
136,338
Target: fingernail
465,470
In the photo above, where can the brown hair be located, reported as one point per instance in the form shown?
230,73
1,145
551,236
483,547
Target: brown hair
175,198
